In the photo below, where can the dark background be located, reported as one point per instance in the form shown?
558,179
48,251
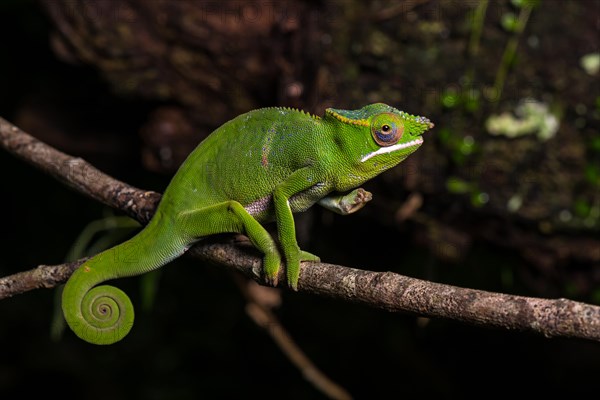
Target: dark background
132,86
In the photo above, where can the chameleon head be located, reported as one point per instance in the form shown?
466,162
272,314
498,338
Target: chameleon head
381,136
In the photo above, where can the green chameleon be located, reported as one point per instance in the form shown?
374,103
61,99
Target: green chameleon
260,166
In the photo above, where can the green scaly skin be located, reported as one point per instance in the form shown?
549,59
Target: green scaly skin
261,166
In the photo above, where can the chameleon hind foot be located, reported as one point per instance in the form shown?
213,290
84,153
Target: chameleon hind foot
293,268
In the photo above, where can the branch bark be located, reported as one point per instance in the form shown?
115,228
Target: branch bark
385,290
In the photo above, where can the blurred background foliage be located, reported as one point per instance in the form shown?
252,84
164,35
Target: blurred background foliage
503,196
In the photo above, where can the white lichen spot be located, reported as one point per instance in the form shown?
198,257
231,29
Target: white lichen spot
483,198
256,269
349,284
531,117
565,215
591,63
514,203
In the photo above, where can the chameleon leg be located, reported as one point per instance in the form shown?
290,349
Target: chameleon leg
298,182
230,216
348,203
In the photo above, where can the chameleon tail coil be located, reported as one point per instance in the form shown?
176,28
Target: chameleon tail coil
98,315
104,314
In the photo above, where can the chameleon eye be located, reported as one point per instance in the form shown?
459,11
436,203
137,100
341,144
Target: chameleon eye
387,129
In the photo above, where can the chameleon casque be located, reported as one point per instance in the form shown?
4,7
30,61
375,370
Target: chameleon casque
261,166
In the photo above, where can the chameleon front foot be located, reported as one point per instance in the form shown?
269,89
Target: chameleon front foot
348,203
271,265
360,197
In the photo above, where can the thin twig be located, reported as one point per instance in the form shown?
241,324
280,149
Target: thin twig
386,290
510,51
262,315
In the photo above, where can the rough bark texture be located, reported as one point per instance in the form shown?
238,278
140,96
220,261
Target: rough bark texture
385,290
398,293
44,276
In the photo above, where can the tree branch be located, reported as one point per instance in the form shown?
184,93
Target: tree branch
385,290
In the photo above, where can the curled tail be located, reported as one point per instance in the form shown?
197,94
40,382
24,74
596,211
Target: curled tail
104,314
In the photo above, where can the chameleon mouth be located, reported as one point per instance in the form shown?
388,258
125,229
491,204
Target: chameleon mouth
417,142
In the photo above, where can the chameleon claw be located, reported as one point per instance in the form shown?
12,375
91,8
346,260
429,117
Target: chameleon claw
271,266
272,280
293,285
363,196
356,200
306,256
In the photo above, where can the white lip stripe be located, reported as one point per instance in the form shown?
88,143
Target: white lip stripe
389,149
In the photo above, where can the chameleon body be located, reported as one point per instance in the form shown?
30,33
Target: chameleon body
261,166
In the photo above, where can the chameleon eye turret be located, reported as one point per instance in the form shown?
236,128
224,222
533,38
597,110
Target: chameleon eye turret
387,129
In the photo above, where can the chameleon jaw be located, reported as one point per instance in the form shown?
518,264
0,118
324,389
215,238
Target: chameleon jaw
417,142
